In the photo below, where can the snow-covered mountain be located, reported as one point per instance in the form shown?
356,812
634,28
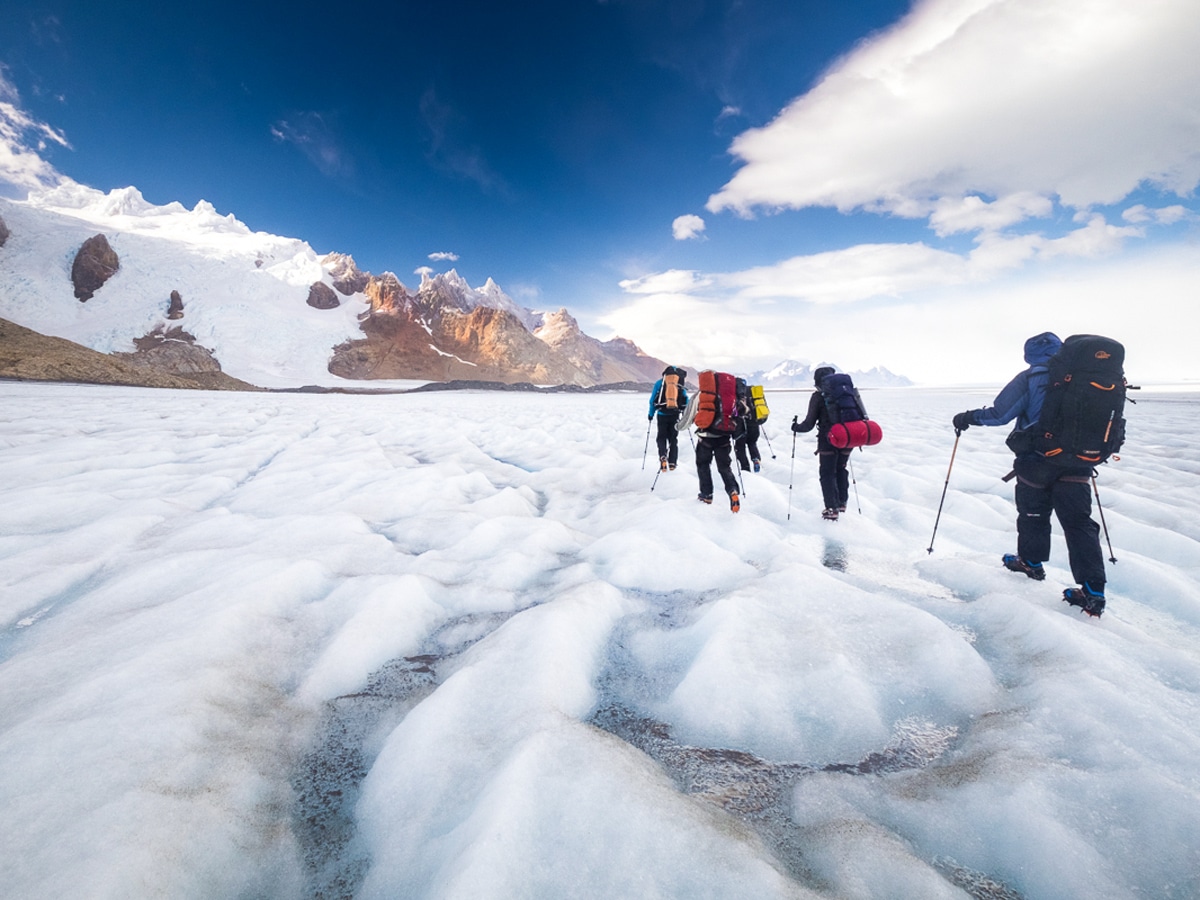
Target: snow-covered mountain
270,309
796,374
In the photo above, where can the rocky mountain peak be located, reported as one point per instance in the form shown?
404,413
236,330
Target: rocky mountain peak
347,277
387,294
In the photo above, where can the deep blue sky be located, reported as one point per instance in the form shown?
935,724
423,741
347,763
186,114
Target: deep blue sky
870,183
546,143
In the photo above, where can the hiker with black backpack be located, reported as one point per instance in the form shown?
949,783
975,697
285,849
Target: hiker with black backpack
836,409
717,414
1067,406
668,399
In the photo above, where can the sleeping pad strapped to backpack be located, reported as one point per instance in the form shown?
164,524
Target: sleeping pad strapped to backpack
668,395
850,426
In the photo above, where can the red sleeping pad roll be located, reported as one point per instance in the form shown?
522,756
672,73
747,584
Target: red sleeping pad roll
848,435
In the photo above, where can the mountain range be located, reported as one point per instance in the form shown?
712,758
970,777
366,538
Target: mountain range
182,293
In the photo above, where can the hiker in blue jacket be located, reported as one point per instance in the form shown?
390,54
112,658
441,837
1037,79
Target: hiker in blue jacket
1044,486
668,399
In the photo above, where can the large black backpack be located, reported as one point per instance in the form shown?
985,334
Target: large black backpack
1082,418
841,398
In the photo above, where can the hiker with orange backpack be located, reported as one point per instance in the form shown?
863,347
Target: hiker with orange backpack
668,399
718,415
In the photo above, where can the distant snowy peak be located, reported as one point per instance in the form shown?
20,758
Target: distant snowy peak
557,328
450,287
266,307
128,204
793,374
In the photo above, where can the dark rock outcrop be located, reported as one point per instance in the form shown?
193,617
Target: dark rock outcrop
4,232
347,277
172,351
28,356
321,296
175,310
94,264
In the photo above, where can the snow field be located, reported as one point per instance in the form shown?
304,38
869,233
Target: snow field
283,645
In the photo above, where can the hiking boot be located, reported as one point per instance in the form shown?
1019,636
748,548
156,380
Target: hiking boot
1087,599
841,509
830,515
662,464
1014,563
734,502
704,499
671,466
757,465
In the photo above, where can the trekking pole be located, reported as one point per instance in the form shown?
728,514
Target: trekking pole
646,451
769,447
957,435
854,481
1111,558
655,481
792,472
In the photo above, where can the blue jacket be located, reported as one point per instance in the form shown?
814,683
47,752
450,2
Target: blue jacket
1021,398
683,399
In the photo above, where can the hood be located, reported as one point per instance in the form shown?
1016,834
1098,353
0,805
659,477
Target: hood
821,373
1040,347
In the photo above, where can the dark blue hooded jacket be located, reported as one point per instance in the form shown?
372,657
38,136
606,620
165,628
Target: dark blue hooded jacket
1022,397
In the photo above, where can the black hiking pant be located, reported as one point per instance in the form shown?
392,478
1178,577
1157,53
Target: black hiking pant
667,437
720,449
1042,487
747,440
835,480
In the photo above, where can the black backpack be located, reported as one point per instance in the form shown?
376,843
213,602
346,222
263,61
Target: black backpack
841,398
1081,422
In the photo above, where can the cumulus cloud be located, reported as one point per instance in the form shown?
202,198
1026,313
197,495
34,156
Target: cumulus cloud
23,141
687,227
314,136
1083,100
423,271
902,305
444,256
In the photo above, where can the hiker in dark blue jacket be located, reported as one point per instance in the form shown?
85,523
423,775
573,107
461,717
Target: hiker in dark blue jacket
1043,486
668,399
831,469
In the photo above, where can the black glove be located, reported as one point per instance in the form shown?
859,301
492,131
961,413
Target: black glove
650,417
962,421
796,425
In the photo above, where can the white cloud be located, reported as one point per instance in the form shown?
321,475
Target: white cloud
1077,99
931,314
956,215
686,227
671,281
423,271
444,256
1141,214
22,141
